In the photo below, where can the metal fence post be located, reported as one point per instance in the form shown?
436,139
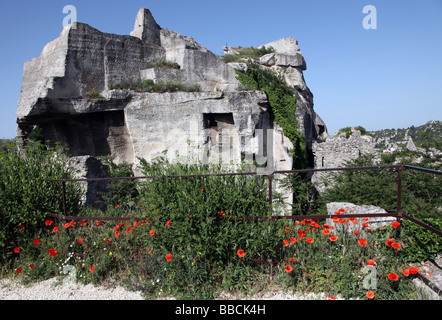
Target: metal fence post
399,198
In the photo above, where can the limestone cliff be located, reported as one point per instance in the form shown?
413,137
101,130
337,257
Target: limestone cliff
69,91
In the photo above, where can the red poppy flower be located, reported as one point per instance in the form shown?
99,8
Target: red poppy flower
72,223
393,276
356,232
18,270
292,259
31,266
288,268
99,223
286,243
17,250
149,251
152,232
333,238
135,224
52,252
222,213
389,242
107,240
128,229
370,294
117,234
48,222
362,242
201,189
396,245
293,239
169,257
395,224
371,262
241,253
66,225
92,268
55,229
325,232
80,240
309,240
168,223
365,224
117,206
414,270
82,223
22,227
406,272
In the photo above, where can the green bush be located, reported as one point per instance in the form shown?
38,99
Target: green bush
243,54
25,196
160,87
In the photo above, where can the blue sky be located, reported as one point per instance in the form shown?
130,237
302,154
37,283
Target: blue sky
389,77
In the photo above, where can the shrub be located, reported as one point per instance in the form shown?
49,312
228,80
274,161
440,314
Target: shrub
149,86
25,196
244,54
166,64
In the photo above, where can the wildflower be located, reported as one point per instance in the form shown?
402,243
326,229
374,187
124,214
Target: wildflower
414,270
152,232
241,253
149,251
92,268
189,216
17,250
286,243
365,224
370,294
356,232
107,240
288,268
82,223
371,262
365,218
168,223
389,242
31,266
325,232
333,238
201,189
48,222
393,276
66,225
362,242
169,257
297,222
293,239
52,252
55,229
99,223
292,259
136,223
309,240
396,245
117,206
222,213
128,229
406,272
395,224
36,241
117,234
18,270
80,240
72,223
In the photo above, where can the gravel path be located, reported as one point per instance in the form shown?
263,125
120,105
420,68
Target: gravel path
53,289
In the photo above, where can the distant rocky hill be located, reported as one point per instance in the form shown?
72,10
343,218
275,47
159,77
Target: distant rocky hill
428,135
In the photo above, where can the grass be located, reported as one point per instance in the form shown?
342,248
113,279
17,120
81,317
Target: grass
245,53
149,86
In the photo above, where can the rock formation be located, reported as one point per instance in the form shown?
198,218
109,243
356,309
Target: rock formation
70,92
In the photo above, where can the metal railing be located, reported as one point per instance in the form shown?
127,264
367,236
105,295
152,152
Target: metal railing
398,214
